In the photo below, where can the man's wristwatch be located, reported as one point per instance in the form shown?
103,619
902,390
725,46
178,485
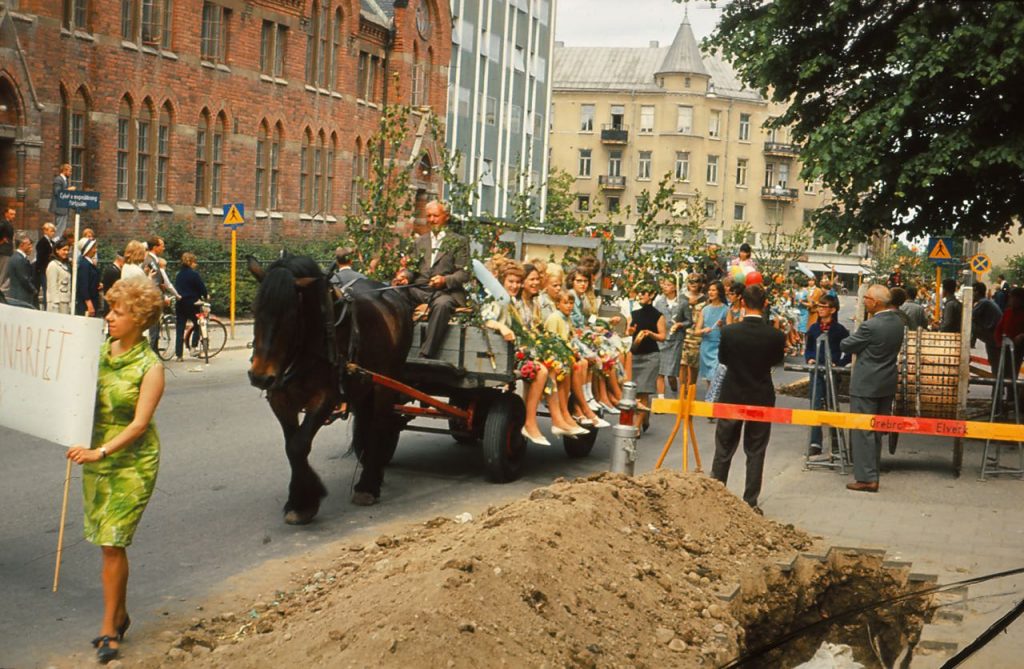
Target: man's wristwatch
103,452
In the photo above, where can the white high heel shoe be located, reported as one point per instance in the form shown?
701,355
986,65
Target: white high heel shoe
540,441
608,409
601,422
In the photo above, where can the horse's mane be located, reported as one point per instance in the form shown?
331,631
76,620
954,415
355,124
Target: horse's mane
278,288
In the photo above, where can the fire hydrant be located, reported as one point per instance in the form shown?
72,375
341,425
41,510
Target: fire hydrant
624,444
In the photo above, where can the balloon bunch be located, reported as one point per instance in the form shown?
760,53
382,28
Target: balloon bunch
745,275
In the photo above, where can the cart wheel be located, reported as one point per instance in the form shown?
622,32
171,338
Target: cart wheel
459,430
503,444
580,446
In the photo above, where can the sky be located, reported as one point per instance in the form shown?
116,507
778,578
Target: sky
629,22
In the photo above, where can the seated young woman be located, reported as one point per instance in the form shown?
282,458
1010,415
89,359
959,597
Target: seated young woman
559,325
605,392
508,321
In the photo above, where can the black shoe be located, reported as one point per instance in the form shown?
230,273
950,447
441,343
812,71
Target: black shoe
756,509
104,653
121,631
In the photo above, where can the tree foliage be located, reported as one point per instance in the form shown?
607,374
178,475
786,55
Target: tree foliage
906,109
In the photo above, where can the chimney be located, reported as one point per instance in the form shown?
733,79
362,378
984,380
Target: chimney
653,44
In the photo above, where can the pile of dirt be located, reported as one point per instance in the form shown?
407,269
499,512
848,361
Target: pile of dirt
603,571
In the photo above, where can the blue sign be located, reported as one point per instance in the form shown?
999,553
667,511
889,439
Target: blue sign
940,250
234,215
79,199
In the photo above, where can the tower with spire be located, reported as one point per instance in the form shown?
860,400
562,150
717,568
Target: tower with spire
683,66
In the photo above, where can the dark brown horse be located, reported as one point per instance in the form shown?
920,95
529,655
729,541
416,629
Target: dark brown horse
301,345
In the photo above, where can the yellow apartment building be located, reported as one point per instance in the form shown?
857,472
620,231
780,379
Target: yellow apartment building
624,117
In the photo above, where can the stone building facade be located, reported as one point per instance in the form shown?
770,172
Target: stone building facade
171,108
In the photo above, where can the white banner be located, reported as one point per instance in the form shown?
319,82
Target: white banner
48,368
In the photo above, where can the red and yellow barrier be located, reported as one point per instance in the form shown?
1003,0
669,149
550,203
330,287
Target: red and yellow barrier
937,427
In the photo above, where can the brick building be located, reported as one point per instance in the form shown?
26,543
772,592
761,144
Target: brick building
170,108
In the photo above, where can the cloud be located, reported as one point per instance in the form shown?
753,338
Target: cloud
628,22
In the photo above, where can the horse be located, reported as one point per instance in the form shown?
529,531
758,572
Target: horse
302,345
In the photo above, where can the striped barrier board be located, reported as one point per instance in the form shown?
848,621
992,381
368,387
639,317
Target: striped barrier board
938,427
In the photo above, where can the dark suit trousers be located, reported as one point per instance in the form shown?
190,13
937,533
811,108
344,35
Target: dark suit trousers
755,443
867,452
442,306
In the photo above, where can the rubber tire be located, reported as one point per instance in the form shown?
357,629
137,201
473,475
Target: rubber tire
165,342
216,335
503,444
580,447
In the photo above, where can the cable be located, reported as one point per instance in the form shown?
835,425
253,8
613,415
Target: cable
986,636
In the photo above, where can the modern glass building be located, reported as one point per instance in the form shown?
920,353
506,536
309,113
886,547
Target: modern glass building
499,91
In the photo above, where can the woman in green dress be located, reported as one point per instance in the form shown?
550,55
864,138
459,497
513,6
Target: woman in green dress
119,467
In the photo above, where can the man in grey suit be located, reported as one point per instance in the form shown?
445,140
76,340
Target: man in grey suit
21,291
61,182
877,345
439,277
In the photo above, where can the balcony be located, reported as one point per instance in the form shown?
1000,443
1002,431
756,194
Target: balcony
614,134
781,150
609,182
779,194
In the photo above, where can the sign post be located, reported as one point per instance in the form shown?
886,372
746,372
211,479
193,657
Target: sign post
77,200
234,218
939,253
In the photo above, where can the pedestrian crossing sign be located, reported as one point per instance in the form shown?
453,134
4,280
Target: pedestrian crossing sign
939,250
234,215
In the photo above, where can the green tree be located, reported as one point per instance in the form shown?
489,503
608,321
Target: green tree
908,111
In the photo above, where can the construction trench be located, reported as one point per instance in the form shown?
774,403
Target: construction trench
660,570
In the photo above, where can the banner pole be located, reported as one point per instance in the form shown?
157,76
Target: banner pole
234,256
63,516
938,291
74,265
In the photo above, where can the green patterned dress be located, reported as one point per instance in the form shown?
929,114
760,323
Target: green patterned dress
116,489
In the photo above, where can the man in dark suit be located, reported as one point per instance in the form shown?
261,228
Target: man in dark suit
21,290
749,349
439,277
61,182
876,344
6,243
44,249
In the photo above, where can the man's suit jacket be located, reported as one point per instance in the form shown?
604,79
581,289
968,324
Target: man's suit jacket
451,263
44,250
877,344
22,285
749,349
59,184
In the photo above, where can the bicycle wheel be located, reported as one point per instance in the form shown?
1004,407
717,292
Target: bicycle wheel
217,337
165,342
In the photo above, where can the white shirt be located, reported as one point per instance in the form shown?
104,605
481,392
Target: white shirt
435,246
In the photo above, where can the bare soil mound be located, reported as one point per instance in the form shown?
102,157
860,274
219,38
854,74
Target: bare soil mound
606,571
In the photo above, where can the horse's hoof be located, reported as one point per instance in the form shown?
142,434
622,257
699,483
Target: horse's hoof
299,517
364,499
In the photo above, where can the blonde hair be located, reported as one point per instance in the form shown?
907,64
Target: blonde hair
188,259
502,267
134,252
139,297
554,274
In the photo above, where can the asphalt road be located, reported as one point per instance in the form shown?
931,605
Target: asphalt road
217,507
216,510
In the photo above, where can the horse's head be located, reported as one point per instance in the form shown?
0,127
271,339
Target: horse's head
285,303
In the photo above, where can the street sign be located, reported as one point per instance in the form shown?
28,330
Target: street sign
234,215
980,264
939,250
79,199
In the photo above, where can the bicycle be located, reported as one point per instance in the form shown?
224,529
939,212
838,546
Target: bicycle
212,335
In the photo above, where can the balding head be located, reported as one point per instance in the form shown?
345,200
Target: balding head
877,298
437,214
